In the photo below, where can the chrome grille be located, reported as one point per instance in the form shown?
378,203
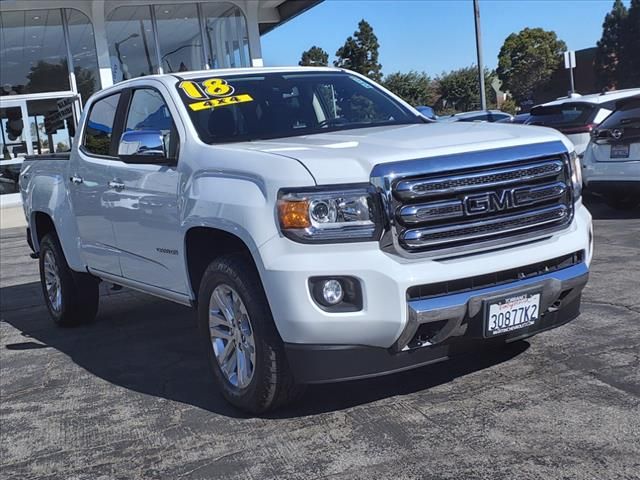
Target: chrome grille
412,189
491,198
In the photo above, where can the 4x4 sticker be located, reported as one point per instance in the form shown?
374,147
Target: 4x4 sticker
212,93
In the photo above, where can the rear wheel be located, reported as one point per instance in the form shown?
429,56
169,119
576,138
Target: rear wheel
71,297
244,348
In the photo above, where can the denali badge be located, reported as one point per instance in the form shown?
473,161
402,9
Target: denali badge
496,201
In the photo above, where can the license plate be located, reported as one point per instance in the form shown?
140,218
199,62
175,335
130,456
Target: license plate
511,313
620,151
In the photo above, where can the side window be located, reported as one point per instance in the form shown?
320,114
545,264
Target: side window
148,111
343,103
97,134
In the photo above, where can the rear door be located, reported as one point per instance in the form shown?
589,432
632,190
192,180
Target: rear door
90,174
145,207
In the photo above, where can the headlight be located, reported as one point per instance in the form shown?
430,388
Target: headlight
576,175
333,214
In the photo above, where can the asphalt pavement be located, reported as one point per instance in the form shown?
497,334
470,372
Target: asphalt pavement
130,395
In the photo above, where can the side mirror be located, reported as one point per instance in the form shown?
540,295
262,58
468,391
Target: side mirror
428,112
143,146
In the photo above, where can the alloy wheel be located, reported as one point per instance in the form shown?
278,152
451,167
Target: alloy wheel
232,336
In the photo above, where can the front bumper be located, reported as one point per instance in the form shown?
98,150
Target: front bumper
333,363
609,174
285,268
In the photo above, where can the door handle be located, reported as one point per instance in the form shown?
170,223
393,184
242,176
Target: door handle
116,185
76,180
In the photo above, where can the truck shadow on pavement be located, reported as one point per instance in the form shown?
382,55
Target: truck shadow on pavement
152,346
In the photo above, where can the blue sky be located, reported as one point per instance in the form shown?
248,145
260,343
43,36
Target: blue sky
433,35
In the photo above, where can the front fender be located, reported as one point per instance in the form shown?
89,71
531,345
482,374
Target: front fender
239,194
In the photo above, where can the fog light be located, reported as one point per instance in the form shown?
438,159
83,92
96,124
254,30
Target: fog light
332,292
336,294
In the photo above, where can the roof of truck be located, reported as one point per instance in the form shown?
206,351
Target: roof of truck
250,70
193,74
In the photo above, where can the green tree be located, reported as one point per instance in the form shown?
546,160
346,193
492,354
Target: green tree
527,59
460,89
360,53
610,47
415,88
509,106
314,57
630,54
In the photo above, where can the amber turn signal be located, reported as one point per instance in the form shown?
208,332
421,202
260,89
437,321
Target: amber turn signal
294,213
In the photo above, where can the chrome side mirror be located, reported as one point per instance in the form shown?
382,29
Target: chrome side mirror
143,146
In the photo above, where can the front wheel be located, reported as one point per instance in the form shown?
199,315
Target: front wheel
71,297
244,348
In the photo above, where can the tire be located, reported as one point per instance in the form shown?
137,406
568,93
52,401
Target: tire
623,202
71,297
244,349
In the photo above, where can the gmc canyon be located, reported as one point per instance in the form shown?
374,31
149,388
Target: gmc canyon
322,227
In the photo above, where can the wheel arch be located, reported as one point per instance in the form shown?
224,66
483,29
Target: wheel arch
203,244
41,225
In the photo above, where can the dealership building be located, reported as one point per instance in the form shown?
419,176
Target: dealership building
55,54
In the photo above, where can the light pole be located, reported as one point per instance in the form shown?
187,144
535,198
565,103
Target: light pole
483,97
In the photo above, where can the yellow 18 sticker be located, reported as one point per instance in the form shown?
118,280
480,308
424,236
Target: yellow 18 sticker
214,92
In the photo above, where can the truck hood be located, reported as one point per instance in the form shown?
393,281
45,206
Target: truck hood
349,156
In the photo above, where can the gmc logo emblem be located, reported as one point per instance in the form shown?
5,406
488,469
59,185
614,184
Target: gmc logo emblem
496,201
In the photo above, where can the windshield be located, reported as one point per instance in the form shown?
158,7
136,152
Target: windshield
562,116
277,105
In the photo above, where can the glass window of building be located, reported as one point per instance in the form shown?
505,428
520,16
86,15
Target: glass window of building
49,132
131,44
33,53
83,52
13,143
226,35
179,37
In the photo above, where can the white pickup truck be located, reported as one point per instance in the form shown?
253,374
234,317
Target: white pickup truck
323,229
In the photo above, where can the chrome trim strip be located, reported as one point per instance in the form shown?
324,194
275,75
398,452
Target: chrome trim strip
143,287
406,189
413,238
425,212
464,160
456,307
541,193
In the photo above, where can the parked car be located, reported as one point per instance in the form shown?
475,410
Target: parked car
477,116
322,228
576,116
612,159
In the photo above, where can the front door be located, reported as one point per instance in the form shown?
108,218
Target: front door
145,206
90,173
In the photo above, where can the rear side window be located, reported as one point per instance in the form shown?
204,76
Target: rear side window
97,134
562,116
